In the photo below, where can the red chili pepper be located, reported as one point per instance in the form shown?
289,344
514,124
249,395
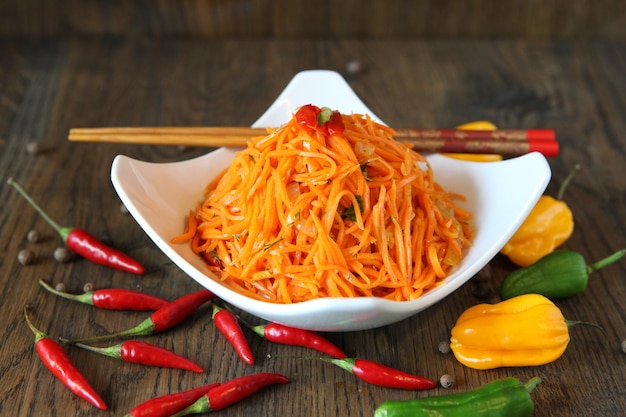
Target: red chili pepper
166,405
285,335
381,375
232,392
62,367
335,125
323,120
307,115
227,324
176,311
142,353
112,298
84,244
164,318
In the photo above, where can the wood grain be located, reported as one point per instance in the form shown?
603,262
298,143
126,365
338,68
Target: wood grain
49,86
605,19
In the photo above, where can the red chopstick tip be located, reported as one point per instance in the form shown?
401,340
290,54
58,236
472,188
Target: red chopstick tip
540,134
549,148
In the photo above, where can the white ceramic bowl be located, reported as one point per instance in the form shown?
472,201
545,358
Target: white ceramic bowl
499,194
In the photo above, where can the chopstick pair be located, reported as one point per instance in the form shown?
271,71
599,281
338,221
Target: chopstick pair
504,142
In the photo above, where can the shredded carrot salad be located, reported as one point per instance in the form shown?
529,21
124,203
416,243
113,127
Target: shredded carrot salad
302,214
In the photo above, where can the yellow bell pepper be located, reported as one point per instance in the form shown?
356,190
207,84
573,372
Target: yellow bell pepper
527,330
478,125
549,224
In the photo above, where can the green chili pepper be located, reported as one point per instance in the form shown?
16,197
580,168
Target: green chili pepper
503,397
557,275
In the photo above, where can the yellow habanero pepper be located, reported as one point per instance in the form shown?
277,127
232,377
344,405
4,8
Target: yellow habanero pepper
527,330
549,224
486,157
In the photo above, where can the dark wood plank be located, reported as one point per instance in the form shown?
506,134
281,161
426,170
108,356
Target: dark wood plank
299,18
50,86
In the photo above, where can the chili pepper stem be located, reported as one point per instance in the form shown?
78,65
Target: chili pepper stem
532,383
62,230
38,333
311,358
606,261
145,328
344,363
113,351
200,406
83,298
574,323
258,330
566,181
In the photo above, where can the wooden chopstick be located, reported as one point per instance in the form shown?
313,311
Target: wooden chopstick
213,137
504,142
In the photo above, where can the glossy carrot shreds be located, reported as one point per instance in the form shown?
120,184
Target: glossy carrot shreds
301,215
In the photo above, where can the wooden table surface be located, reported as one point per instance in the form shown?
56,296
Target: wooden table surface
50,86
